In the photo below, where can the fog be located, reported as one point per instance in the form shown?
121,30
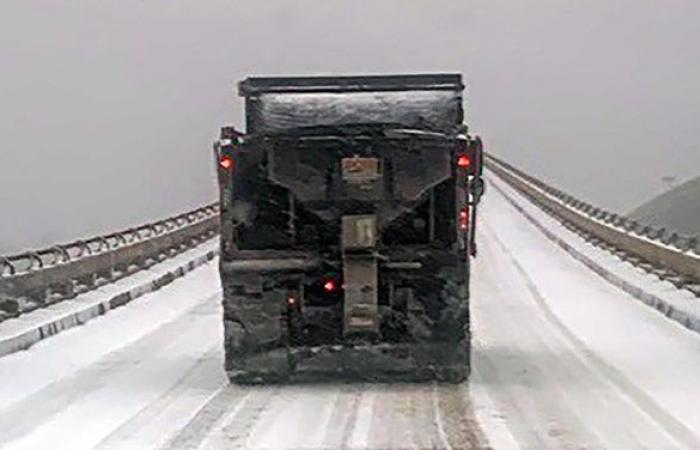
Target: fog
108,109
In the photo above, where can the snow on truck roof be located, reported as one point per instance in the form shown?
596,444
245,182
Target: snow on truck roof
260,85
428,102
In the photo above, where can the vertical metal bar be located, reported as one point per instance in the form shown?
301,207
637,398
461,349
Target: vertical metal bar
292,217
431,226
472,228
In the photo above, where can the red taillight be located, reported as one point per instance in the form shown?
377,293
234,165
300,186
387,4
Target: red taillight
463,219
292,297
226,163
329,286
464,162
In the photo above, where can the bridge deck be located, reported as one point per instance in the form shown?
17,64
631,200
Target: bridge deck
562,359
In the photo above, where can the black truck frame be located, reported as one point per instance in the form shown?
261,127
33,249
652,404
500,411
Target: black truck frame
348,214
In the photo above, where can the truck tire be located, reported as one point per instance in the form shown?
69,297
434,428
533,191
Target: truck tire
452,375
453,324
249,359
453,329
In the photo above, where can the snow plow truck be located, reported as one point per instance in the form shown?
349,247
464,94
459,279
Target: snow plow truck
348,212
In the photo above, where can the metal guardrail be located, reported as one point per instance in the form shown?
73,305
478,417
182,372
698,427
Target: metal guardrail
35,279
659,248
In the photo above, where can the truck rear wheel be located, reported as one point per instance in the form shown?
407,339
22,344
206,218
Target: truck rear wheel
452,375
449,326
254,340
453,324
246,364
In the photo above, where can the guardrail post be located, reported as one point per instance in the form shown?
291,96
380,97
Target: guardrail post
39,296
89,281
67,289
9,306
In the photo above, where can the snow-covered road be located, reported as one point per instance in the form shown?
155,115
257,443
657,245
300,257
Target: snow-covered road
569,360
561,359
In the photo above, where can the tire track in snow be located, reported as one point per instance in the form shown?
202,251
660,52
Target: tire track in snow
343,416
157,422
323,416
393,415
214,412
438,420
674,428
360,425
39,409
233,430
625,416
457,424
518,368
298,416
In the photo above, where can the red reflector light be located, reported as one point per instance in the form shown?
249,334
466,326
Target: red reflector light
329,286
464,219
464,162
226,163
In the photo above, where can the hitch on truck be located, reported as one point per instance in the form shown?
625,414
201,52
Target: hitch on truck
348,216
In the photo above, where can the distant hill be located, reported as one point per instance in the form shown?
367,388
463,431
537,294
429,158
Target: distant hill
677,209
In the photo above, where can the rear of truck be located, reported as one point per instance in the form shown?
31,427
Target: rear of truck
348,211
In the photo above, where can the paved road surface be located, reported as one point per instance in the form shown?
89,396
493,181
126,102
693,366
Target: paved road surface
561,360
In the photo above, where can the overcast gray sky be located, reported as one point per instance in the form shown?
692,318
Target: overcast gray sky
108,109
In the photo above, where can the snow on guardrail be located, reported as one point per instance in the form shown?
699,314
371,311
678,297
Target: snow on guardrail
663,249
34,279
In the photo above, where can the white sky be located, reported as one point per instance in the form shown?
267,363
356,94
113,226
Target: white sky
108,109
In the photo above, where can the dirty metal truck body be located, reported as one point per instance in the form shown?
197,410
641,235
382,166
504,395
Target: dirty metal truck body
347,216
